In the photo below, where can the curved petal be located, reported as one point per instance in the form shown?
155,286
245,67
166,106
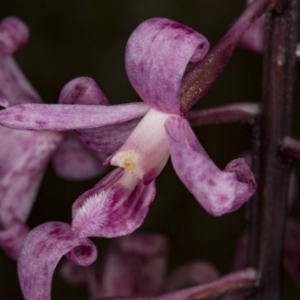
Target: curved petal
134,266
42,250
12,238
13,35
218,192
22,167
107,139
253,38
67,117
156,57
74,161
116,206
14,86
191,274
82,90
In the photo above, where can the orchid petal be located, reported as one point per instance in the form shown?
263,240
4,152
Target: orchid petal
12,238
218,192
68,117
82,90
21,170
135,266
116,206
107,139
15,87
156,57
42,250
23,158
191,274
72,160
253,38
13,35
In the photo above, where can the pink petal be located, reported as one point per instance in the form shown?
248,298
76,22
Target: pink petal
82,90
13,35
67,117
107,139
116,206
14,86
23,158
42,250
74,161
12,238
156,57
217,191
191,274
135,266
253,38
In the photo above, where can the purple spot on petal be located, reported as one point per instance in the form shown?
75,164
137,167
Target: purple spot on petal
40,123
211,182
19,118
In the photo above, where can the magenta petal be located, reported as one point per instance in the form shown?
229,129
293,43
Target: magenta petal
82,90
253,38
107,139
42,250
191,274
23,158
68,117
73,160
15,87
13,35
135,266
218,192
12,238
116,206
157,54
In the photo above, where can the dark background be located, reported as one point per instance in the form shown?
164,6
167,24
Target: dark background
76,38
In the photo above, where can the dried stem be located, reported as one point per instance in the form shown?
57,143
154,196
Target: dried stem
268,209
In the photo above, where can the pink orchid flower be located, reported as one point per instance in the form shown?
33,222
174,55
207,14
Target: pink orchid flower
24,155
139,138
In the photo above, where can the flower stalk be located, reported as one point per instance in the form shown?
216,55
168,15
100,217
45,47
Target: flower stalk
272,168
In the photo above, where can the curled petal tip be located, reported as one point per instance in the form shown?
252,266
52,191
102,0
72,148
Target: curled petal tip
156,57
219,192
42,250
13,35
82,90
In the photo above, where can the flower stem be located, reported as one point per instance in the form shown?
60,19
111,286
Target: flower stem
272,168
231,113
201,77
233,282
